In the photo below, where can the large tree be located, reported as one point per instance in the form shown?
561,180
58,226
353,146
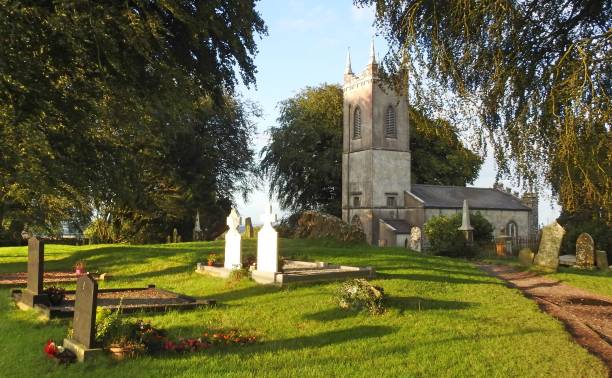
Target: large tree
303,158
96,96
537,73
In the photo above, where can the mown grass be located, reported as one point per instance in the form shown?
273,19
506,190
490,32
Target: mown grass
596,281
444,318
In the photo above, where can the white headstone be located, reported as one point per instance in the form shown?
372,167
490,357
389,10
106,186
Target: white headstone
415,239
267,244
232,243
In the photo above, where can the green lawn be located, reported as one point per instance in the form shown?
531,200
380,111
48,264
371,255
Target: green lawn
444,318
595,281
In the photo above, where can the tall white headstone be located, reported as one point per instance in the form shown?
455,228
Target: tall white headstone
232,242
267,244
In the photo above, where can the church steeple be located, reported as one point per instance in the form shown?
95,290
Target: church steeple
372,59
348,70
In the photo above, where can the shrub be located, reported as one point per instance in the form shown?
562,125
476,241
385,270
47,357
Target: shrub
588,222
358,294
316,225
445,239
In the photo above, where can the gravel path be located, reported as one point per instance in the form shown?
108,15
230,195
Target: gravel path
587,316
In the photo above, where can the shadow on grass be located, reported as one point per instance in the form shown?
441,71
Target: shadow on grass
297,343
402,304
433,278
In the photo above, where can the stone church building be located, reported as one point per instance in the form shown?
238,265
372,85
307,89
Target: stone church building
376,187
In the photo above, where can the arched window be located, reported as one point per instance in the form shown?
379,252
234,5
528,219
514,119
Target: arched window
512,230
390,127
357,123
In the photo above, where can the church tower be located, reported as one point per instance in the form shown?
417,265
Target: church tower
376,153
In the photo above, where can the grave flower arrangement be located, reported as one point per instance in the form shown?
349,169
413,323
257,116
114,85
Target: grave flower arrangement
359,294
212,259
123,338
55,294
58,352
79,267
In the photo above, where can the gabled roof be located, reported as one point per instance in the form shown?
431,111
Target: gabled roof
400,226
451,197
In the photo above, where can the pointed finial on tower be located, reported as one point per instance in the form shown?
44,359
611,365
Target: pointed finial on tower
372,53
348,70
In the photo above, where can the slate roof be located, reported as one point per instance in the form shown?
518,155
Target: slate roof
400,226
451,197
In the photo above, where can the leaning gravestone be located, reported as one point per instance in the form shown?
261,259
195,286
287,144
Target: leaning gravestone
550,244
33,294
415,239
525,257
232,243
248,228
83,340
602,260
585,251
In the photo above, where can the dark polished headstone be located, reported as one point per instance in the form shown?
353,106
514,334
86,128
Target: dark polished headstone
33,294
84,323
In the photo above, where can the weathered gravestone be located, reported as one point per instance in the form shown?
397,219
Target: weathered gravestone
602,260
249,232
585,251
83,341
33,294
525,257
175,236
415,239
232,243
550,244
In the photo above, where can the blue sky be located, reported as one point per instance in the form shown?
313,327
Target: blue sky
306,45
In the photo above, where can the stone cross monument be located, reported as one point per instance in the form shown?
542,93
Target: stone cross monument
232,242
267,244
197,230
466,227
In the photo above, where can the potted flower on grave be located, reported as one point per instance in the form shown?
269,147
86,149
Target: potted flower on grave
212,259
55,294
79,267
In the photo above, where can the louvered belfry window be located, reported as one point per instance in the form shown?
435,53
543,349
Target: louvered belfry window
357,123
390,127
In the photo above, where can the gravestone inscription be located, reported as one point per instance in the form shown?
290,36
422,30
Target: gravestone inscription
585,251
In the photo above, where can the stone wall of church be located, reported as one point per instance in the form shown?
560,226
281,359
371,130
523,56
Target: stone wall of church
498,218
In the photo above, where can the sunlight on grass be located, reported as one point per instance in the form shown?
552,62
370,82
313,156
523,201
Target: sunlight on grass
444,318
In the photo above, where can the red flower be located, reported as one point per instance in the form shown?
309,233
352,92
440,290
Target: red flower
50,348
169,345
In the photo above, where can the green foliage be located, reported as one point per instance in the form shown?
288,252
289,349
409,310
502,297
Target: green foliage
358,294
303,159
438,156
109,326
304,155
124,109
445,239
316,225
424,294
584,221
536,73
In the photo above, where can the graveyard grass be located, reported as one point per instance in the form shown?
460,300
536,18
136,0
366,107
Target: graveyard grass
444,318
